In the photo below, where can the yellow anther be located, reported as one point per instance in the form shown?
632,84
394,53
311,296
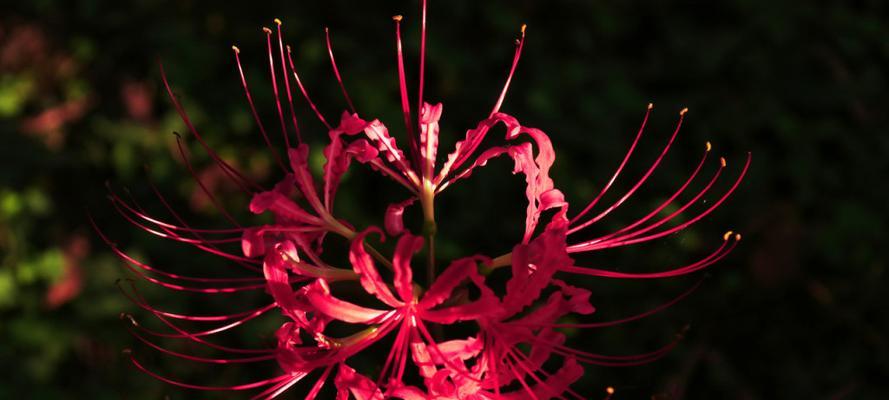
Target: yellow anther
609,390
709,146
267,30
650,106
722,161
236,49
397,18
278,21
524,26
684,110
727,235
288,49
738,237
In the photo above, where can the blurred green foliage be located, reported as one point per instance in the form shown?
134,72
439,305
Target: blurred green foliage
798,311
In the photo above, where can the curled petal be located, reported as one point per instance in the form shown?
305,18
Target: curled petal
363,151
457,350
274,268
429,116
481,161
379,134
321,299
407,246
540,187
364,266
464,312
449,279
299,162
362,388
288,252
464,149
554,385
578,299
283,208
394,221
404,392
533,266
337,154
253,242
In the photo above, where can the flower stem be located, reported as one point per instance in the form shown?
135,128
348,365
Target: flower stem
427,199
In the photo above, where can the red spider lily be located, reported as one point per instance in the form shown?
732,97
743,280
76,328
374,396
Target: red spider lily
518,330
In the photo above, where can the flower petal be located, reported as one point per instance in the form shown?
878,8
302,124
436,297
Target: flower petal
362,388
379,135
407,246
429,116
450,278
464,149
394,221
274,268
320,298
285,210
464,312
338,157
299,162
533,266
554,385
363,264
253,242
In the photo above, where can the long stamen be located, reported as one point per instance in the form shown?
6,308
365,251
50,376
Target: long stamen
242,261
519,355
166,234
190,357
275,390
636,316
402,87
604,360
336,70
623,241
129,261
616,236
201,184
259,124
248,386
196,336
714,257
619,168
666,202
143,215
520,43
240,319
268,37
422,57
394,352
302,88
522,360
208,247
229,171
641,180
299,138
123,255
319,383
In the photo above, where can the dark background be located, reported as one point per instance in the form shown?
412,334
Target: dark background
797,311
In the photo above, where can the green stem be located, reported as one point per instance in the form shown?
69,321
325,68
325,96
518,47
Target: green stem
429,229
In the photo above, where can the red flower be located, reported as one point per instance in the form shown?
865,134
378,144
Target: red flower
518,329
